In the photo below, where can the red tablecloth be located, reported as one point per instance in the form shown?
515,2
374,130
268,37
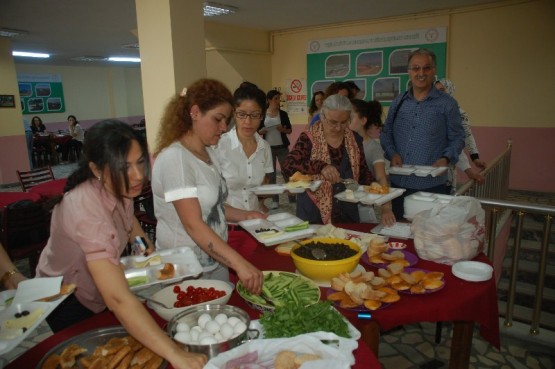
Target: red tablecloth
7,198
459,300
49,189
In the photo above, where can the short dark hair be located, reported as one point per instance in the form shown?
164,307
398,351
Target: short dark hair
249,92
272,93
427,52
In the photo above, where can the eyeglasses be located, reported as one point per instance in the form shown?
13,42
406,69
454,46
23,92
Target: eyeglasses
335,124
416,68
242,115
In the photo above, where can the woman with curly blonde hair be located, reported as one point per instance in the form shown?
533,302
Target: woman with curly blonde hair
189,190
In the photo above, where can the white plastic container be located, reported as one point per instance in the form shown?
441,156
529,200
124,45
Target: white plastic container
421,201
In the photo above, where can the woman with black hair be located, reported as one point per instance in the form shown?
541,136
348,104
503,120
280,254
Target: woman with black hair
91,226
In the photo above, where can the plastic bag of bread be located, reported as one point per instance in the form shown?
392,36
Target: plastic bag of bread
304,351
451,232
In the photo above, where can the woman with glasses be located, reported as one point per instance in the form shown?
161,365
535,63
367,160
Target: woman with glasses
245,157
188,188
329,151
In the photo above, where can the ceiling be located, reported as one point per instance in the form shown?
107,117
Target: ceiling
72,28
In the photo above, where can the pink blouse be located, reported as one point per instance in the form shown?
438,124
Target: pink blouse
88,224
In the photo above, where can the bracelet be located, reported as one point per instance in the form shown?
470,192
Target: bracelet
6,277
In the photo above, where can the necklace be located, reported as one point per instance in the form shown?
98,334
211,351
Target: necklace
202,155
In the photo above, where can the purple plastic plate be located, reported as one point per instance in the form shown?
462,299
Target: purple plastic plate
409,256
362,308
426,292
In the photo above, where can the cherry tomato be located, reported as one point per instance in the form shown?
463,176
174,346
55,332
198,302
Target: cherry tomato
176,289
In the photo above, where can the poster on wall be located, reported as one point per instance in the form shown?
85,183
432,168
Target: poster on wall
41,93
295,92
376,63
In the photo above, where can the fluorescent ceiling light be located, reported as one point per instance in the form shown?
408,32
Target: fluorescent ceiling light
5,32
124,59
214,9
30,55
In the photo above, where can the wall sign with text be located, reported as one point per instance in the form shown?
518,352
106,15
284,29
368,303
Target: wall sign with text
41,93
376,63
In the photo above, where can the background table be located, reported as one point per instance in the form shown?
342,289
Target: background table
49,189
7,198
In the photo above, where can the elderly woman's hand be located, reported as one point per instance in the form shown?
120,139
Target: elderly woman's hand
330,174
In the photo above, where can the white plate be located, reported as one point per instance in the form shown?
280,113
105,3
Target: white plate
370,198
185,263
6,345
398,230
270,189
5,298
278,222
472,271
418,170
313,186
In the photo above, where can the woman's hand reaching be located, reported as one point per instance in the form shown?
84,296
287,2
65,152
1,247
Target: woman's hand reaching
251,277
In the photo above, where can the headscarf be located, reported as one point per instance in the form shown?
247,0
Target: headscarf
449,85
323,198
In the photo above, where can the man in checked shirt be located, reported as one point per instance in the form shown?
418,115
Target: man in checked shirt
423,127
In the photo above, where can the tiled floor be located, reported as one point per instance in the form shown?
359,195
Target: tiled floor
413,346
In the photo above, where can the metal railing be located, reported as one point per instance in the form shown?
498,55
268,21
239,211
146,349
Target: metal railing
492,195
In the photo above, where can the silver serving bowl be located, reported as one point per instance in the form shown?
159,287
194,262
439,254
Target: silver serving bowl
190,316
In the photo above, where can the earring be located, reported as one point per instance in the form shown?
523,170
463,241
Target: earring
99,178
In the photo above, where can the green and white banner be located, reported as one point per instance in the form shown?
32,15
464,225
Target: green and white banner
41,93
376,63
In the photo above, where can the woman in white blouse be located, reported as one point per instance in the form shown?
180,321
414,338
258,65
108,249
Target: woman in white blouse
245,157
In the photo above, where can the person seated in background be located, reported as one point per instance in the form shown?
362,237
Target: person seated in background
339,88
10,276
448,86
77,137
367,122
37,126
245,157
275,128
91,226
329,151
315,104
188,188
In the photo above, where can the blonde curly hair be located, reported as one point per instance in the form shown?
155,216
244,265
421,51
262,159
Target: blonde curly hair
205,93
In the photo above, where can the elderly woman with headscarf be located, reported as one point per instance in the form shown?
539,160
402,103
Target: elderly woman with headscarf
463,164
329,151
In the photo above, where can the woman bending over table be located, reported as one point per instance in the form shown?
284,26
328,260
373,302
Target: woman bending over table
91,227
188,187
329,151
245,157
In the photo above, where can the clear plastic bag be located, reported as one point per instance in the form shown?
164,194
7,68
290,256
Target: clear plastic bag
451,232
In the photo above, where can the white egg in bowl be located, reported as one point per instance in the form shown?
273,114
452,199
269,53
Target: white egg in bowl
170,295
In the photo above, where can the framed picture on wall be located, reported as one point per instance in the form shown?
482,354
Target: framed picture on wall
7,101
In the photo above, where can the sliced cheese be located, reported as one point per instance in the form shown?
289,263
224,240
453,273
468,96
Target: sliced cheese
24,321
139,262
267,235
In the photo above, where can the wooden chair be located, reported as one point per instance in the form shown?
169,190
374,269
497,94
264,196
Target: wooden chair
25,231
34,177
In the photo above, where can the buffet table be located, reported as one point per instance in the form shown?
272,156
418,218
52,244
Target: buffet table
460,302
